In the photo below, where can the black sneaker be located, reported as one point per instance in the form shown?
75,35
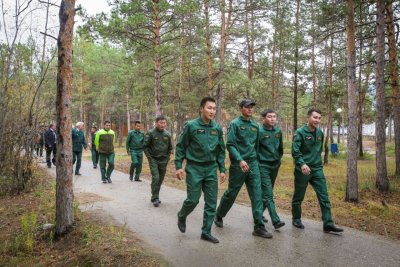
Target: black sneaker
138,180
94,167
182,225
298,224
333,229
265,219
77,173
209,238
156,203
262,232
218,221
131,178
109,180
279,224
104,181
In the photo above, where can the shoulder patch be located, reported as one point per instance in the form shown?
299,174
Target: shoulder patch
214,132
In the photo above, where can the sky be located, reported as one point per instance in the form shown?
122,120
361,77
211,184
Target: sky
94,6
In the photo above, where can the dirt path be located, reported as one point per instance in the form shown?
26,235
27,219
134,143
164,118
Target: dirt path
129,203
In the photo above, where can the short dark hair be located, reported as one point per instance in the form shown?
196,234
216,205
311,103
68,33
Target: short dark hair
94,127
160,118
137,122
51,125
311,110
266,112
107,121
205,100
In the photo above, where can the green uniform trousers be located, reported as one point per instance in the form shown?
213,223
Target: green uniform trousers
158,168
253,184
95,157
77,157
106,173
318,182
136,165
268,173
201,177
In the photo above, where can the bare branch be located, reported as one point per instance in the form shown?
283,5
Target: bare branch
51,36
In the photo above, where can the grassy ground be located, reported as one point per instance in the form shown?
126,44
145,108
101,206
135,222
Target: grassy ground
376,212
94,241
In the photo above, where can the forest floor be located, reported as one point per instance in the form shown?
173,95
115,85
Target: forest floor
94,241
375,212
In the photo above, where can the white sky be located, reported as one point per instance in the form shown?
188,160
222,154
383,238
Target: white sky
94,6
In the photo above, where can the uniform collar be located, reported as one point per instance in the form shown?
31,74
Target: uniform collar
265,128
243,119
202,123
306,129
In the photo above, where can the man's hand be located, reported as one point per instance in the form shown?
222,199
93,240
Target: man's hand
179,174
222,178
305,169
244,166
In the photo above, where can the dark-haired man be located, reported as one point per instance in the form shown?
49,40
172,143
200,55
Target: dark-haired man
201,143
78,142
242,143
158,147
306,152
104,142
270,152
134,148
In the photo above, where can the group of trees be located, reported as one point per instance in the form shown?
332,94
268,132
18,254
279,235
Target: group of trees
149,57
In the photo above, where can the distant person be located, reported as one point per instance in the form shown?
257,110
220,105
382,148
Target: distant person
94,152
242,143
134,148
78,143
50,145
269,157
306,151
39,142
158,148
201,143
104,142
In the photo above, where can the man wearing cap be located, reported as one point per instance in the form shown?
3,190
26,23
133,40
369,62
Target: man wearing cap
78,141
270,152
242,142
134,148
306,152
202,145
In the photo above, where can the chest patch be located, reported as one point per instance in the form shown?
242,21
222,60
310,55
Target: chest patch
266,136
278,135
308,137
319,138
165,137
213,132
201,131
242,128
253,129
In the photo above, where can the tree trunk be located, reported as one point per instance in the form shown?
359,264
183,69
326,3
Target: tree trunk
64,193
352,176
314,71
128,112
394,78
329,134
157,58
249,29
382,182
296,67
209,52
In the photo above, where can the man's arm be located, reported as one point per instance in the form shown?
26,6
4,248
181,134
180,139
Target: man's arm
146,145
96,140
231,143
128,140
221,152
181,145
280,148
296,146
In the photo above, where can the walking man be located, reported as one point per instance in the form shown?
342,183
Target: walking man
50,145
78,141
242,143
104,142
158,148
269,157
134,147
94,152
306,152
202,145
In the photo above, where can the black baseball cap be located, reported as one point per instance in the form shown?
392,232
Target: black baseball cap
246,102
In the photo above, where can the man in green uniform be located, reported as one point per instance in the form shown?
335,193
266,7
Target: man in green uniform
242,143
104,142
157,147
134,147
269,157
202,145
95,153
306,152
78,141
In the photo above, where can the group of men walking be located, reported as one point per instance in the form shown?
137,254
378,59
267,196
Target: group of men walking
255,153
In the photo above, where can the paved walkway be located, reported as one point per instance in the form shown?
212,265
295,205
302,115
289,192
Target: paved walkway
129,203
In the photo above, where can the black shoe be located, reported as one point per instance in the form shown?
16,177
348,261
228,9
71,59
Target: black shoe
279,224
182,225
109,180
77,173
104,181
265,219
218,221
209,238
131,178
138,180
333,229
156,203
262,232
298,224
94,167
49,166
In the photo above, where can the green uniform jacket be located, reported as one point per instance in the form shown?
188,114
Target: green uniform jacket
134,141
78,140
104,141
201,143
271,145
242,140
157,144
307,148
93,138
